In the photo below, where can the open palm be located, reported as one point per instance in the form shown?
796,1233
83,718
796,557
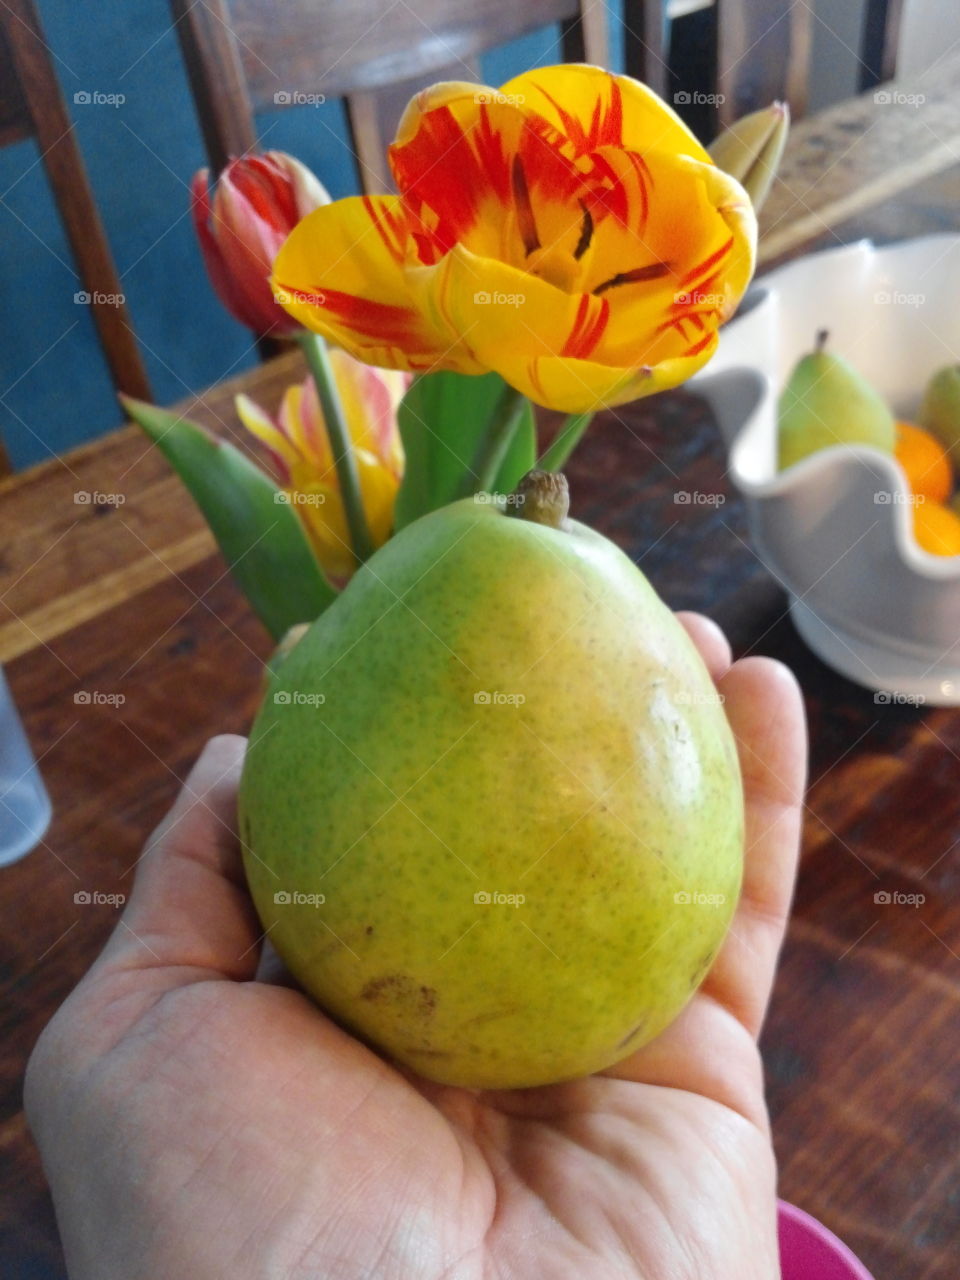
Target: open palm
199,1117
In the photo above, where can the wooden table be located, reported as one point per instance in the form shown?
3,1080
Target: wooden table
862,1062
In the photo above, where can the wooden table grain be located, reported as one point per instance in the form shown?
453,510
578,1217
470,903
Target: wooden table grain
130,599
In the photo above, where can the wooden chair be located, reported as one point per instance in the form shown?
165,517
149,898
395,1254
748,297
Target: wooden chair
881,37
726,58
246,56
32,106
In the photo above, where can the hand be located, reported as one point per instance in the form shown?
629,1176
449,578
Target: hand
196,1120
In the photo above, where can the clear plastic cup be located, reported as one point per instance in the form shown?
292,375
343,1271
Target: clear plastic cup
24,804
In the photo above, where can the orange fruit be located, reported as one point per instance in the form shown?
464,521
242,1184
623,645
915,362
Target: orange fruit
925,461
937,529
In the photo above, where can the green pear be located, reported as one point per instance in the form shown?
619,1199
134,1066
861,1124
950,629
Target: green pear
827,402
940,410
491,809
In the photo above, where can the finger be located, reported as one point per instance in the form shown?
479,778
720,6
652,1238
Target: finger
272,970
706,1050
710,640
765,708
190,908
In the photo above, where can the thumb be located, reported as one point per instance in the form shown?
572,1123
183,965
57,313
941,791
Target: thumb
190,911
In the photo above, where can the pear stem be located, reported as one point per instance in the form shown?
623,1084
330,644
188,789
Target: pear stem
821,341
542,497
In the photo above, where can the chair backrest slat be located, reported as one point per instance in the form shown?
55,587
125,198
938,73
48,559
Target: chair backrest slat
249,56
31,105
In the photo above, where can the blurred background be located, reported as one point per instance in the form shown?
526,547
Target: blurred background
122,75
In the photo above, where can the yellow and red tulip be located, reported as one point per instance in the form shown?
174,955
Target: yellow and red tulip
257,201
299,444
567,231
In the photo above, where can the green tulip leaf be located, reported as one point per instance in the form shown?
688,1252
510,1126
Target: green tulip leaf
443,420
261,538
521,455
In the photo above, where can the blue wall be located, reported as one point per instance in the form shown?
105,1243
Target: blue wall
140,157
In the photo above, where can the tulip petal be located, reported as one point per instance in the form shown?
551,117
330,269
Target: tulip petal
341,273
325,521
370,399
736,208
496,306
261,425
514,192
227,286
701,227
583,386
258,183
593,108
546,343
309,193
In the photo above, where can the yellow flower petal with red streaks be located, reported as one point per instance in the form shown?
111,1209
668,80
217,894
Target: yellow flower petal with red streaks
703,236
593,108
321,509
500,162
259,423
576,197
370,399
300,443
581,386
545,342
341,273
735,208
503,312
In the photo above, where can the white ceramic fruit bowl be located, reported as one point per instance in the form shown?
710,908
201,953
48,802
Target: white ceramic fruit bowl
836,528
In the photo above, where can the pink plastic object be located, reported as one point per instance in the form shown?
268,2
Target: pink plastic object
808,1251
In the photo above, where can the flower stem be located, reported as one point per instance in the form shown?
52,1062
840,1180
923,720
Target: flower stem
496,442
565,441
318,359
